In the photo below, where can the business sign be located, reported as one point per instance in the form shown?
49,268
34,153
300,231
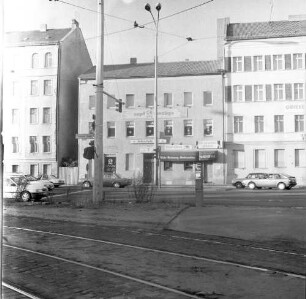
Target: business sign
150,113
109,164
210,144
179,156
147,141
84,136
207,155
177,147
146,150
294,106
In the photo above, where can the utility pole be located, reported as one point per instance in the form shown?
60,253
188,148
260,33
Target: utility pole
98,194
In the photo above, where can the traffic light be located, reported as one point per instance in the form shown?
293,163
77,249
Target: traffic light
119,106
156,152
93,124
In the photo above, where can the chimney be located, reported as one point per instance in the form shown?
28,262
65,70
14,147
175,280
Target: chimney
75,24
133,60
43,27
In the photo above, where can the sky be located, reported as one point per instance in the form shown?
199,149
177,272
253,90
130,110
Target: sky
179,19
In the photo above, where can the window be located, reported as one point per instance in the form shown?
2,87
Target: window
297,61
298,91
47,169
35,61
278,92
298,123
258,93
238,158
188,127
47,87
34,87
208,127
15,145
149,128
33,144
168,127
188,166
259,124
130,129
238,93
258,63
46,144
129,161
149,100
168,166
34,169
92,102
111,103
111,129
279,158
187,99
207,98
278,123
238,124
46,115
15,168
300,157
277,62
48,59
168,100
237,64
260,158
130,101
33,116
15,116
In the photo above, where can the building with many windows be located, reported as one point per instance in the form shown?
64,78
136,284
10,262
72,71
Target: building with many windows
41,70
265,97
190,120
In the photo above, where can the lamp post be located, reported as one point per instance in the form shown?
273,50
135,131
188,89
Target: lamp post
158,8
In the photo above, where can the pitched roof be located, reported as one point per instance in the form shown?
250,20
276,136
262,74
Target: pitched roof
22,38
262,30
146,70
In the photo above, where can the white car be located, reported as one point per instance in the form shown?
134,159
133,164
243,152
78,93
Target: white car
47,183
52,178
17,186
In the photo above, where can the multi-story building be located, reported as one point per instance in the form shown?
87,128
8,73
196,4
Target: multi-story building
190,120
41,70
265,97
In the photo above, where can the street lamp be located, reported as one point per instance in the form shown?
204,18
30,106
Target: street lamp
158,8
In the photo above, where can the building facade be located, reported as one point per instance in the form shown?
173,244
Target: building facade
190,121
265,98
41,70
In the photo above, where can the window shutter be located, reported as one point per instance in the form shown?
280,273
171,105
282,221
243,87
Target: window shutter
268,62
268,92
228,93
288,61
247,64
288,90
227,64
248,93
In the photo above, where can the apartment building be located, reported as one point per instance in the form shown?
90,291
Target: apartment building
265,97
41,70
190,120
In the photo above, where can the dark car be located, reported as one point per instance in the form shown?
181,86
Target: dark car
110,180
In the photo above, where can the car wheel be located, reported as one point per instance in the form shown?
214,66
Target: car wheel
116,185
238,185
252,185
281,186
25,196
86,184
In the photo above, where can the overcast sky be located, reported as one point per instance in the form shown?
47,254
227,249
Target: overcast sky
198,23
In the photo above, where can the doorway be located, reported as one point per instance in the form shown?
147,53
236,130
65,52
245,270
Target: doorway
208,172
148,168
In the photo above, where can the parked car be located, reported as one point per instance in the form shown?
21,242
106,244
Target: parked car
52,178
47,183
17,186
269,180
110,180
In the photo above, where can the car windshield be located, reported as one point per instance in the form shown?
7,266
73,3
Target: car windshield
31,178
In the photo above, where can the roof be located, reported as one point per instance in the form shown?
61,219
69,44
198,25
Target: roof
50,36
146,70
263,30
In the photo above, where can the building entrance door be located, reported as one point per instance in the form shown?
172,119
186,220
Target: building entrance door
148,168
208,173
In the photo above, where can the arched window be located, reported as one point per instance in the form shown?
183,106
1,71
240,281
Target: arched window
35,61
48,59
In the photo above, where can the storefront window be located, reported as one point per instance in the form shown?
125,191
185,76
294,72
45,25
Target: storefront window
168,166
188,166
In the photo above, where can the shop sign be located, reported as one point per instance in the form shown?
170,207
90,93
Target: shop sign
109,164
177,147
150,113
294,106
179,156
210,144
146,150
84,136
207,155
147,141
